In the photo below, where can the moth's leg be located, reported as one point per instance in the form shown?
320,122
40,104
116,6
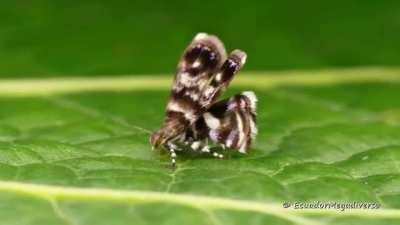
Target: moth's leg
172,148
203,146
206,149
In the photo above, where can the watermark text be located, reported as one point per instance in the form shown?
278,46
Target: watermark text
342,206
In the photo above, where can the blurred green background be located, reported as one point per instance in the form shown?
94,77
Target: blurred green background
45,38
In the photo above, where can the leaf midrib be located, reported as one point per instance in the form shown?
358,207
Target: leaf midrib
49,86
196,201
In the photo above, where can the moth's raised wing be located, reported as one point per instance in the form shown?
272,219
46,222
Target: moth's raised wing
230,122
203,74
201,60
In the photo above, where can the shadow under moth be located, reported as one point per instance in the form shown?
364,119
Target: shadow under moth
194,118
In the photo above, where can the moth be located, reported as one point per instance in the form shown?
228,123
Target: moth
194,117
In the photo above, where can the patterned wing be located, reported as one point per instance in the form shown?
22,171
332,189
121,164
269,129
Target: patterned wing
201,60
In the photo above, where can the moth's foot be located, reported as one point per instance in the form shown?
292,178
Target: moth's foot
172,148
173,158
218,155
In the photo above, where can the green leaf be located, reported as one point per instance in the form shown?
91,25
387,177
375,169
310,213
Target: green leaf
75,151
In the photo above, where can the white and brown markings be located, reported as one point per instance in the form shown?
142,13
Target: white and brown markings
194,117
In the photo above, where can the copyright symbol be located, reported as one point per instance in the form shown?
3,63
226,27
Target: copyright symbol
286,205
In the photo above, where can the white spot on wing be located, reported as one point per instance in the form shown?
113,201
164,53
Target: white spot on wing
218,77
174,106
194,96
211,121
185,79
196,64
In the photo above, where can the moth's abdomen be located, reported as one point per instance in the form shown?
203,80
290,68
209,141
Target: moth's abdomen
232,122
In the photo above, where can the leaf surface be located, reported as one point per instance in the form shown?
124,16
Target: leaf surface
74,153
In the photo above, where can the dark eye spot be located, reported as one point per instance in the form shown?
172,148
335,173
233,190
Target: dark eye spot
208,58
230,66
193,54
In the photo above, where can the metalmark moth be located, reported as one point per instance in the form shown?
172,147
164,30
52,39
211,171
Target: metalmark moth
194,117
